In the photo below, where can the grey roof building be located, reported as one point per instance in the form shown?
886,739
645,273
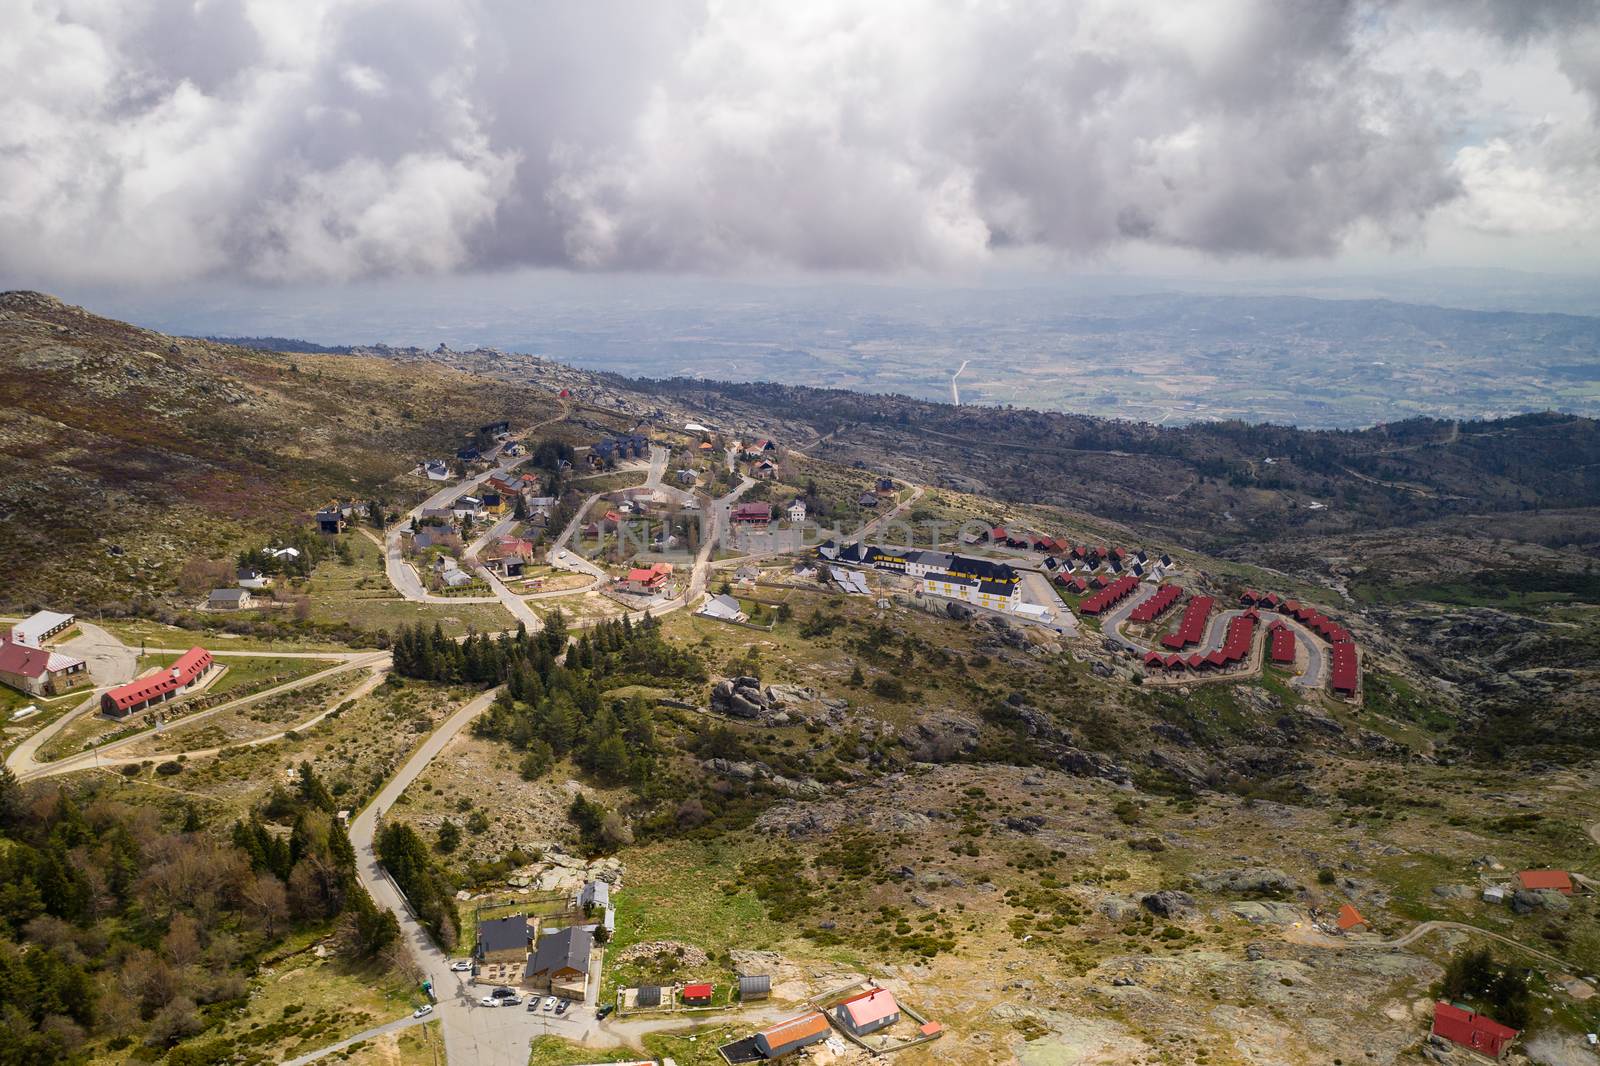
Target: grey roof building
755,986
594,894
503,934
647,996
563,951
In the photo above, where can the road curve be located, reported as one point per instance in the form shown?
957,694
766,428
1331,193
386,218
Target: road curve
23,763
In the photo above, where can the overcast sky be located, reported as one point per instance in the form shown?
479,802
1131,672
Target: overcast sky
151,144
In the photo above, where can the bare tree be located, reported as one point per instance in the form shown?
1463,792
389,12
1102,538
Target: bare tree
266,900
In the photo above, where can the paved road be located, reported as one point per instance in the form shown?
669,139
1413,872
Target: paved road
491,1036
371,1034
111,662
1038,590
23,763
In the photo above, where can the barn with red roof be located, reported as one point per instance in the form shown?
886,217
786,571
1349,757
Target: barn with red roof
1472,1030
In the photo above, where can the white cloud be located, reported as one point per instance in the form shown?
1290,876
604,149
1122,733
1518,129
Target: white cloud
167,140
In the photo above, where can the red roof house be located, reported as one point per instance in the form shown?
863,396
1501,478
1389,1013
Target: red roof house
158,687
754,513
1545,881
1346,669
1472,1030
37,670
698,993
1283,645
868,1011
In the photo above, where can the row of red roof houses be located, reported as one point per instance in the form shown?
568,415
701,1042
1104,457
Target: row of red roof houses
1079,584
1157,605
1235,649
1093,554
1192,626
1110,596
1345,674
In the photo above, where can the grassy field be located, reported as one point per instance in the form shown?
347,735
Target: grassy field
139,631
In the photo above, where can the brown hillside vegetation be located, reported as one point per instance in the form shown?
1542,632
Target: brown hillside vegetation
111,435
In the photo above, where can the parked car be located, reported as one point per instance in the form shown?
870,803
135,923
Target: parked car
488,1001
511,1001
423,1011
549,1003
561,1008
502,993
604,1012
533,1004
461,965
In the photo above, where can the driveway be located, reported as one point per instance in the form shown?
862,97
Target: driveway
111,662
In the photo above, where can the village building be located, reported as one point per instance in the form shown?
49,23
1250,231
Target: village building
751,514
867,499
1346,670
723,607
647,996
647,581
40,626
868,1011
797,511
436,470
1545,881
1472,1030
560,962
331,520
502,949
182,676
455,578
790,1036
754,987
250,578
697,994
995,586
39,671
230,600
1350,920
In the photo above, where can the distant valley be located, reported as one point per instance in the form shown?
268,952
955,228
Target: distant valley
1164,357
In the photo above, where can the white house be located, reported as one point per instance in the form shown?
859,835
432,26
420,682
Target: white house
251,578
797,511
724,607
40,626
436,470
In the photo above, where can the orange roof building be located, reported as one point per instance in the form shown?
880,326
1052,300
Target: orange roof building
1545,881
792,1035
1350,920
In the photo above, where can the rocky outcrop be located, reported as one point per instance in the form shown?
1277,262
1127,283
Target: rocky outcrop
1524,901
1168,903
746,697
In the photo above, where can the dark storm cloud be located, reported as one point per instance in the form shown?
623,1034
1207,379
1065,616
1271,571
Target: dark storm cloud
166,141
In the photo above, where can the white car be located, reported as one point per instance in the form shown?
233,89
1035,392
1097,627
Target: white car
488,1001
549,1003
423,1011
461,965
